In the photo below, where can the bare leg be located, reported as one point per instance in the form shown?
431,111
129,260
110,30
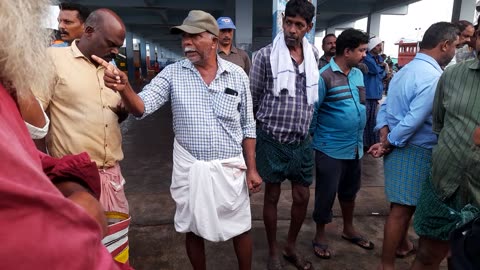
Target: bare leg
196,251
430,254
243,248
272,194
394,234
300,195
320,238
347,214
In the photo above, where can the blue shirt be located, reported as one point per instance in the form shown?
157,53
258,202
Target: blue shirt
374,78
339,117
208,122
408,110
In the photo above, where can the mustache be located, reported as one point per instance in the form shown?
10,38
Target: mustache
63,31
188,49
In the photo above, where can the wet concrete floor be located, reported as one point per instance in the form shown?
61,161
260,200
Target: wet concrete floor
155,244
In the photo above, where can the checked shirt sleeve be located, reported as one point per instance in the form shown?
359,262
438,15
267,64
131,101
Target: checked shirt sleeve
247,120
156,93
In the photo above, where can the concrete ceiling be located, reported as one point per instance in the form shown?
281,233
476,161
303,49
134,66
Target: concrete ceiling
152,19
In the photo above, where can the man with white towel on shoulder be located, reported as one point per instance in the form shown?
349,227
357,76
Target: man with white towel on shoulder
284,84
213,124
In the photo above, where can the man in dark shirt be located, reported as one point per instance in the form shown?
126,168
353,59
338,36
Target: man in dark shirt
226,50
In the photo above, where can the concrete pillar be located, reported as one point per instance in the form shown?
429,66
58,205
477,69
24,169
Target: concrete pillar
330,30
143,56
373,25
129,54
464,10
244,32
152,53
279,8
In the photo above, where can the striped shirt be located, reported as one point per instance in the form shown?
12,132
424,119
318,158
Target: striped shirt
283,117
340,116
456,113
322,62
208,122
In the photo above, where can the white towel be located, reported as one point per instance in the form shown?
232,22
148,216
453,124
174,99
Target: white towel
211,196
284,73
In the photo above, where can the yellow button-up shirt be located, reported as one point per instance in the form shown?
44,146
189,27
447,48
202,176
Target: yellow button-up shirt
81,109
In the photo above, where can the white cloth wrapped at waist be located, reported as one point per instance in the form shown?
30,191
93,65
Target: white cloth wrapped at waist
211,196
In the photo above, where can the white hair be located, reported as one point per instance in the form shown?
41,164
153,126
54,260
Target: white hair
24,64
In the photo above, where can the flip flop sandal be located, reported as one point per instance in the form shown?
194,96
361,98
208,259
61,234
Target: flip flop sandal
298,261
324,248
358,241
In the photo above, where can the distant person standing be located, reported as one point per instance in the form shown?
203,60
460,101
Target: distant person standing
226,50
377,71
464,51
329,47
71,22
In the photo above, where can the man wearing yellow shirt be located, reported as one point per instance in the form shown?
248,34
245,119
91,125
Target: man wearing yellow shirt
83,111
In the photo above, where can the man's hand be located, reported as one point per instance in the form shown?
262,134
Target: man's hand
81,196
476,136
254,181
376,150
121,111
113,78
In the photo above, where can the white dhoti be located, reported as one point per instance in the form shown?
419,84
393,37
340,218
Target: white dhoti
211,196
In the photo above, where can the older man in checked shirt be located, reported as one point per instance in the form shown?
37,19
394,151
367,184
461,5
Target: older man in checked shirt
213,123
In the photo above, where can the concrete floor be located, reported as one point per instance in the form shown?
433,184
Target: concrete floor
155,244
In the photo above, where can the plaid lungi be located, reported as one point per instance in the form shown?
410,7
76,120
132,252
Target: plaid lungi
436,219
370,137
406,169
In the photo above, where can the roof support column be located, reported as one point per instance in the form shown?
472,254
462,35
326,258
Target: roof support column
330,30
463,10
373,25
129,54
143,56
279,8
244,25
152,53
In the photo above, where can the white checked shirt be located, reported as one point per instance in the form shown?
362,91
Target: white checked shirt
207,122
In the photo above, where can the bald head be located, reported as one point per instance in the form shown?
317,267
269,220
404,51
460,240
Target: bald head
104,35
105,19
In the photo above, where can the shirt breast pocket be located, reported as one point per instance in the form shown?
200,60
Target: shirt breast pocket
226,107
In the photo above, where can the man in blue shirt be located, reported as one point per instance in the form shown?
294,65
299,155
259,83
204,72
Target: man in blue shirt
337,128
405,124
373,79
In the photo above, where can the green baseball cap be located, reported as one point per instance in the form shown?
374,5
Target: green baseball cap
197,21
